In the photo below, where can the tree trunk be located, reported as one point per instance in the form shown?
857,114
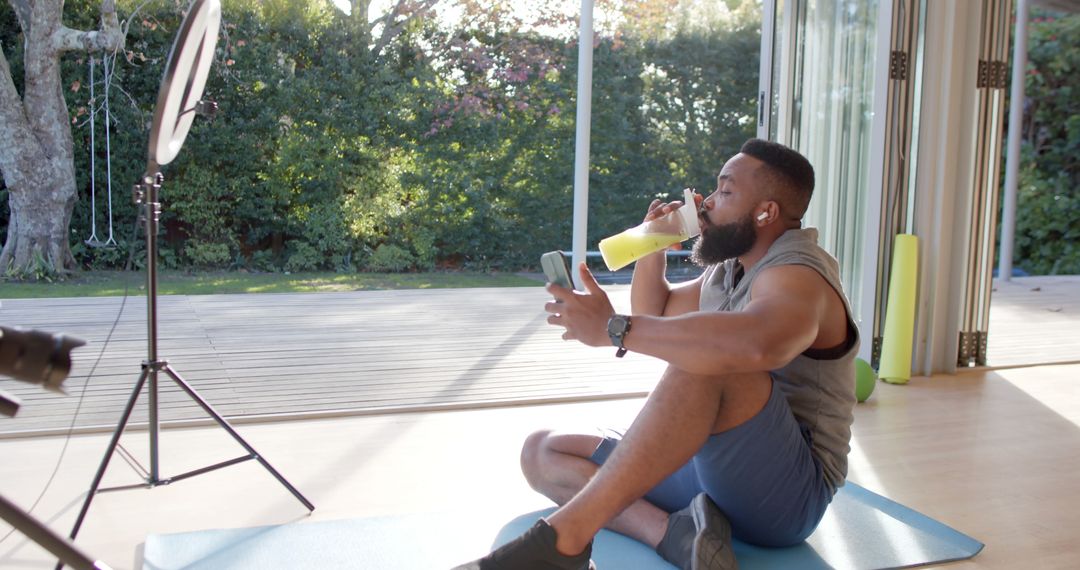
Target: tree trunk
41,206
38,161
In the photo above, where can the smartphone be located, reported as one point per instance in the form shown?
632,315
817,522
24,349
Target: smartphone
557,268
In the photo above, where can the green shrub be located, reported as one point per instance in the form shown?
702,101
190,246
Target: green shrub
39,270
303,257
208,255
389,258
1048,228
325,235
263,260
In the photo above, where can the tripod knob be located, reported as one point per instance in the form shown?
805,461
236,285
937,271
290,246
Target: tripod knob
208,109
149,208
147,187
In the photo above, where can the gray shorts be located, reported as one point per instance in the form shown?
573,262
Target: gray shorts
762,474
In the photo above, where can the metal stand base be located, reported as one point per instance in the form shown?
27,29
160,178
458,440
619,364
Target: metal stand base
150,370
146,195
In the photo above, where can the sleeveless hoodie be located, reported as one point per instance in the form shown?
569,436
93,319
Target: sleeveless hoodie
820,391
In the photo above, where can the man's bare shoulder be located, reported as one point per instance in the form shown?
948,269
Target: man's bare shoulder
799,291
790,279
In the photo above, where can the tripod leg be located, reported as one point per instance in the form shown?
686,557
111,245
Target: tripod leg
228,427
60,547
110,450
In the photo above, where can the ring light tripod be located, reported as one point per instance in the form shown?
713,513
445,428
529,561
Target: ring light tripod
178,100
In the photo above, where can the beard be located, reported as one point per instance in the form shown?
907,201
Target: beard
721,242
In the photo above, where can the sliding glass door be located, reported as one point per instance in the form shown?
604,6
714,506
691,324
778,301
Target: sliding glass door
818,98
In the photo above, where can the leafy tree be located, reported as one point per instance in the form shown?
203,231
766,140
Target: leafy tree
435,134
37,157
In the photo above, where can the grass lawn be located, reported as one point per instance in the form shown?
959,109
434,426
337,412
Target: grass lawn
113,283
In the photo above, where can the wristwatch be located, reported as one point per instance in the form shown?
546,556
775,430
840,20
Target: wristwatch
617,327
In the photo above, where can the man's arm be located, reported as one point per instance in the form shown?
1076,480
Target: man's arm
783,320
651,294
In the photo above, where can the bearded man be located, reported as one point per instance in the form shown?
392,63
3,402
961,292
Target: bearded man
747,432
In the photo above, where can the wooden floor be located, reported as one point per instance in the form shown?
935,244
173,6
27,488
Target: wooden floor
994,454
281,356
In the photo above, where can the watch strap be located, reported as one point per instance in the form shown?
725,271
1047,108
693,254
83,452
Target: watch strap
618,326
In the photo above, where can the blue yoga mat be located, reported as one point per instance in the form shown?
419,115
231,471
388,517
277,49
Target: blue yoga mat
861,530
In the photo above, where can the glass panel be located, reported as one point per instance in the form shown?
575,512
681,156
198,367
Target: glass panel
831,110
675,94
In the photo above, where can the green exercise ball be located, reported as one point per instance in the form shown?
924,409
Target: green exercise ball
865,379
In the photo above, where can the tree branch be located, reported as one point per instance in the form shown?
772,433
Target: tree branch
359,10
14,128
109,38
391,28
22,12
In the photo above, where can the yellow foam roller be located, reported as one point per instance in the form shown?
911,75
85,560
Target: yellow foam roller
899,334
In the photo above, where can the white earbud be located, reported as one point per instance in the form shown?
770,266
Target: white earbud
762,216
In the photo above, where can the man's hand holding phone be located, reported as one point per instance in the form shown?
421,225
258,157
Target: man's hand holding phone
584,314
557,269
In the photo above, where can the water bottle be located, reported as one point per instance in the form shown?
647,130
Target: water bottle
631,245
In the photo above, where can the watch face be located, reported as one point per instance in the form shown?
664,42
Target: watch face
617,325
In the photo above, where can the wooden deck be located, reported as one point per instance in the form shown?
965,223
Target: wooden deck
282,356
278,356
1034,320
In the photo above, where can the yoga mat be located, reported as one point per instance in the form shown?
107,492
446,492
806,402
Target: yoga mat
895,366
860,531
405,542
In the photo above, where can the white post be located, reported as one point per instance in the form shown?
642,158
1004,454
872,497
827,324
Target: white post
581,148
872,208
1012,158
765,69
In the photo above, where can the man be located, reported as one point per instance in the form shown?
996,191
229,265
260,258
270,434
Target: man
748,430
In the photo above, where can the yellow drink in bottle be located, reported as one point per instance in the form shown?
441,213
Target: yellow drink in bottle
622,249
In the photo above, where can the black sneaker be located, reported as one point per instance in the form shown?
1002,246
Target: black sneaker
698,538
534,550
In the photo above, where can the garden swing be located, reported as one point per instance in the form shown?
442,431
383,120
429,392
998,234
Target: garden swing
93,240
